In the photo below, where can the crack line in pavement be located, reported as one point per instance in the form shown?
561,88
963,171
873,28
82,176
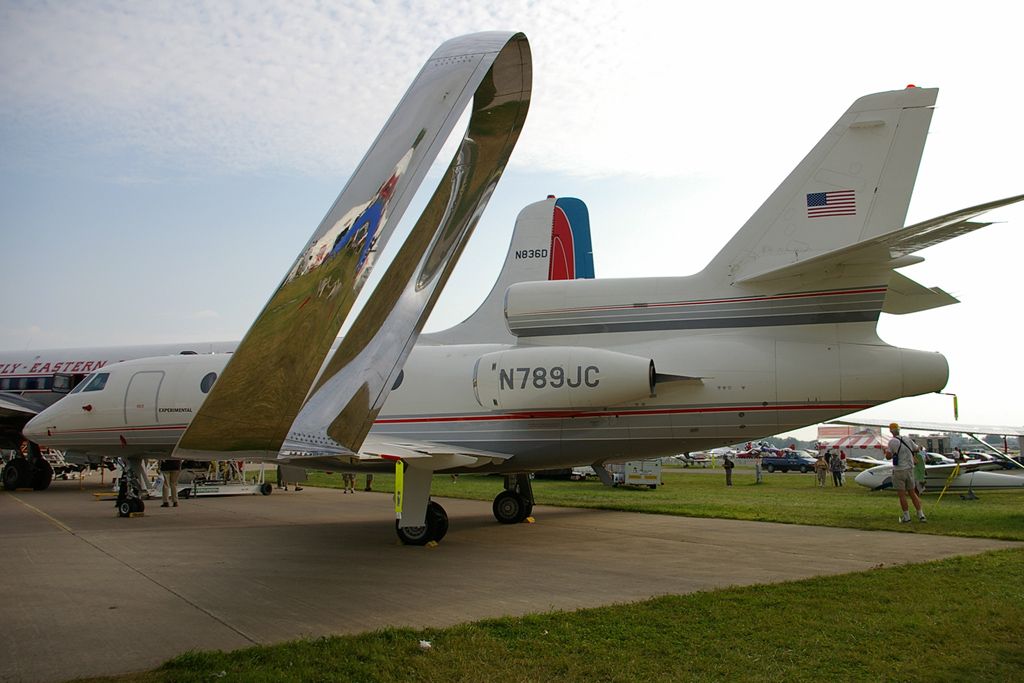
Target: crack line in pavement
138,571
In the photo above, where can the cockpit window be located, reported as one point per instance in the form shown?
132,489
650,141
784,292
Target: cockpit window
81,385
98,381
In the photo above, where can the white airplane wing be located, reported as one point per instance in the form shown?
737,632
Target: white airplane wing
380,453
404,449
972,430
953,427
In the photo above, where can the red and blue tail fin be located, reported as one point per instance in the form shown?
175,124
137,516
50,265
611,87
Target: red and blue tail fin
550,241
571,255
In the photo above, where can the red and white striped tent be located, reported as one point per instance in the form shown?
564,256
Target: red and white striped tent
858,443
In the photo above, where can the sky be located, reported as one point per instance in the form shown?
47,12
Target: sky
163,163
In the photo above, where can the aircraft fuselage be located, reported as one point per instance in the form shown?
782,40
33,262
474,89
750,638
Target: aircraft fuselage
740,385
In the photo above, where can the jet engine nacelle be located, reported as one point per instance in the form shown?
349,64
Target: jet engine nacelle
560,377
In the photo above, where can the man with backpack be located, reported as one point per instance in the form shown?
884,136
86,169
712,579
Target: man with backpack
902,451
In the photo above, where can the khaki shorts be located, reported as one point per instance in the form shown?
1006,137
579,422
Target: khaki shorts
903,480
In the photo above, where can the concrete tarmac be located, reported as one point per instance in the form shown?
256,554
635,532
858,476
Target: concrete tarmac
88,594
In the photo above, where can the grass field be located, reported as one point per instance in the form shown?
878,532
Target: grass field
951,620
789,498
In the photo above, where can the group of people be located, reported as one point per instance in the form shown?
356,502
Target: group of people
348,480
908,470
832,460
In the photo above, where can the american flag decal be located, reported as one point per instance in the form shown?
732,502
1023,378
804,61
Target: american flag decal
834,203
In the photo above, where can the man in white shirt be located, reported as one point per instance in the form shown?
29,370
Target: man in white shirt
901,451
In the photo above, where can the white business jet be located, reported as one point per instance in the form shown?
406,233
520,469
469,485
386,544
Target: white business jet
550,240
776,333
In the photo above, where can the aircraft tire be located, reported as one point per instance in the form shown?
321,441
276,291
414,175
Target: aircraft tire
412,535
266,489
434,529
510,508
124,508
42,476
437,521
17,474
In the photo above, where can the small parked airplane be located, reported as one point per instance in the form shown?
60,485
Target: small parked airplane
975,473
776,333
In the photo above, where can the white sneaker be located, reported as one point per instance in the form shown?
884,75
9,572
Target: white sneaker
905,518
922,518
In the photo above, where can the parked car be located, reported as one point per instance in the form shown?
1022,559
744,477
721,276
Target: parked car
786,461
582,473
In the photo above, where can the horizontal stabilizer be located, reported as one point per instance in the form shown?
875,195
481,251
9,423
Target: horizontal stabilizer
892,249
906,296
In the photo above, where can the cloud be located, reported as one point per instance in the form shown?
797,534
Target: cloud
661,90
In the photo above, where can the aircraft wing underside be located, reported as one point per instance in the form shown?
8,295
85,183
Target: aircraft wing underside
15,406
380,454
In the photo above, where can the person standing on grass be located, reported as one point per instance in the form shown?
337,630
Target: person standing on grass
758,478
902,451
837,466
728,464
820,468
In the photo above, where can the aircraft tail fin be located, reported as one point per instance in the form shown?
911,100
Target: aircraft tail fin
550,241
854,185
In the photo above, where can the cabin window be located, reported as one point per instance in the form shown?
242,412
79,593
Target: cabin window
98,381
207,382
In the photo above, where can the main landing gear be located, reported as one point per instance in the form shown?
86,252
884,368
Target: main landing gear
434,528
515,503
511,506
